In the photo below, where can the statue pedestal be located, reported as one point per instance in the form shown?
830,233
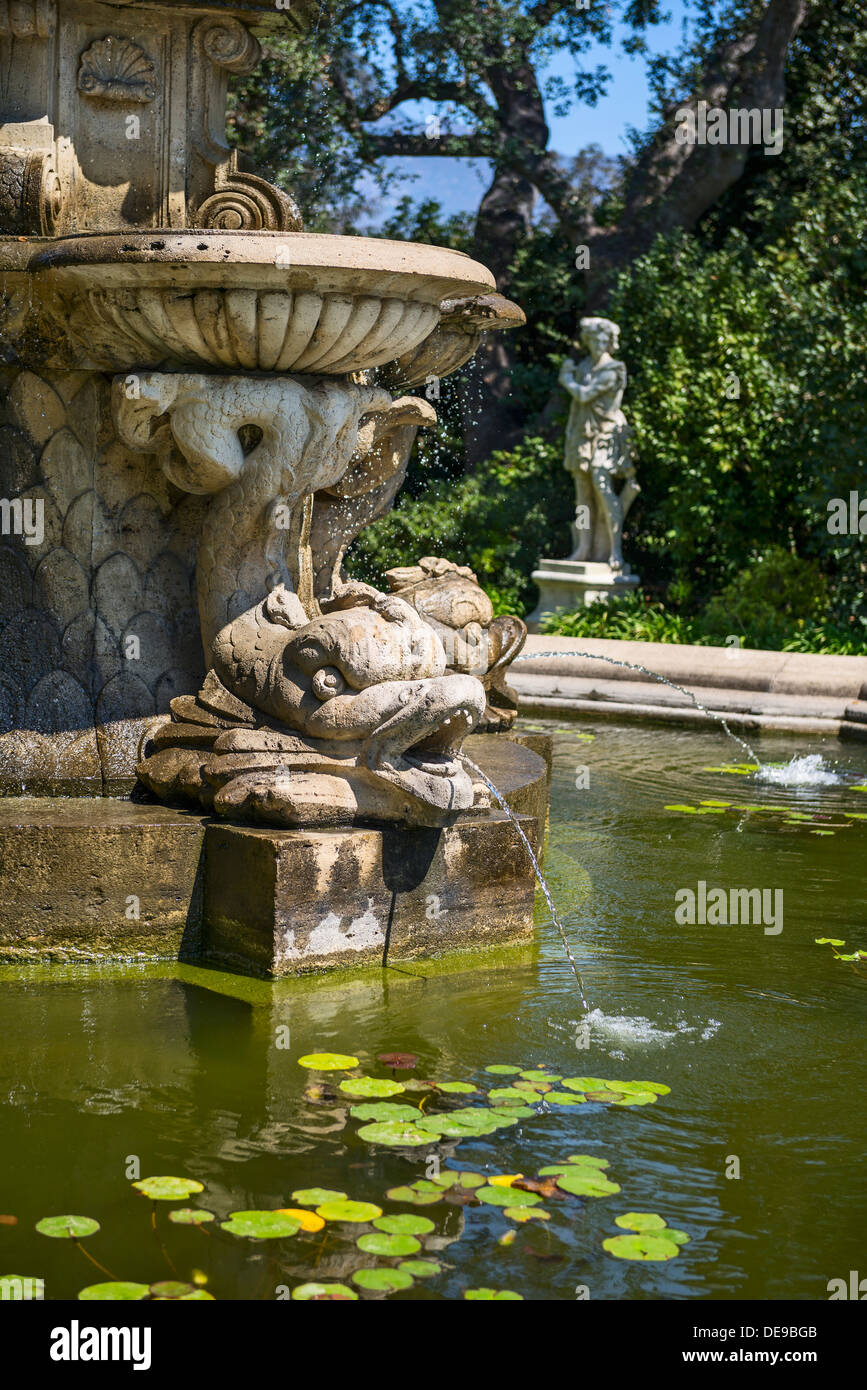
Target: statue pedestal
572,584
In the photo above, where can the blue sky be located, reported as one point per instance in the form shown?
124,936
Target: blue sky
459,184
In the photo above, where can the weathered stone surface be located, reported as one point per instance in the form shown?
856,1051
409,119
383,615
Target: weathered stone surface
75,873
290,902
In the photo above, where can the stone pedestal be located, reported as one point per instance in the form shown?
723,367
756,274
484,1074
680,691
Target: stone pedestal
571,584
98,878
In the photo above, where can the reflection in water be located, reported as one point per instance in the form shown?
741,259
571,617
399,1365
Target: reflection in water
760,1039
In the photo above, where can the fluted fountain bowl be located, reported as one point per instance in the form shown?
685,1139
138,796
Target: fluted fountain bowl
250,301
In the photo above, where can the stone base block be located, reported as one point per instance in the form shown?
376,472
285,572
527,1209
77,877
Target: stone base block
572,584
283,902
90,878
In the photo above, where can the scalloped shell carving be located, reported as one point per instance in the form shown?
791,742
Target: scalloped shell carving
116,69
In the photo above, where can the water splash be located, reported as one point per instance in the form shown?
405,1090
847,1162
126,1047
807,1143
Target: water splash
645,670
536,869
808,770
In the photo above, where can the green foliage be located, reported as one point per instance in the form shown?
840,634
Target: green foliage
498,520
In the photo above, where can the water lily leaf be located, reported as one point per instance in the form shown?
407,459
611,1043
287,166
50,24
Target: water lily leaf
471,1180
315,1196
399,1061
384,1110
417,1199
13,1288
507,1197
261,1225
381,1243
533,1089
637,1098
829,941
564,1098
415,1083
383,1280
307,1220
349,1211
575,1161
541,1076
656,1087
640,1221
604,1097
328,1061
507,1093
405,1224
117,1289
586,1182
394,1133
526,1214
499,1069
583,1083
492,1295
325,1293
679,1237
168,1189
370,1086
197,1296
191,1216
685,810
67,1227
859,787
720,805
420,1269
640,1247
455,1088
517,1112
171,1288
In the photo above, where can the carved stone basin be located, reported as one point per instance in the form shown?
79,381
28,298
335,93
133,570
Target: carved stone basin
251,301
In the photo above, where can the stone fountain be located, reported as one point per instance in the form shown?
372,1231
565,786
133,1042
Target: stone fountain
213,741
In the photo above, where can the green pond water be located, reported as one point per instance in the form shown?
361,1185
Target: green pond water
759,1036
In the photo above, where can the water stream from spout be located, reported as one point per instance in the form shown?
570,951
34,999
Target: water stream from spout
536,869
631,666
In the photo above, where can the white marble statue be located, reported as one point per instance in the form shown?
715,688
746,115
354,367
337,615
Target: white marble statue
598,451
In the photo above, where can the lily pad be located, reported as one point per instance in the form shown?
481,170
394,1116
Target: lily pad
829,941
405,1225
261,1225
564,1098
640,1247
191,1216
416,1199
384,1110
171,1288
640,1221
678,1237
67,1227
315,1196
507,1197
516,1112
197,1296
356,1212
381,1243
394,1134
637,1098
583,1083
540,1076
325,1293
420,1269
526,1214
499,1069
307,1220
586,1182
383,1280
328,1061
455,1088
399,1061
501,1094
493,1296
605,1097
117,1290
168,1189
370,1086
